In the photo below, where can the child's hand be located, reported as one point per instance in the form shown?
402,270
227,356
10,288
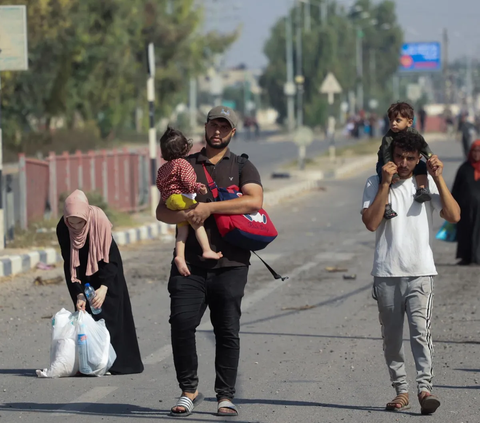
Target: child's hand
202,189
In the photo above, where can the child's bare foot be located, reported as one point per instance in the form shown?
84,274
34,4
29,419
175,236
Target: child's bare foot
182,266
212,255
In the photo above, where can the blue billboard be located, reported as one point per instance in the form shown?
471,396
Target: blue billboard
421,57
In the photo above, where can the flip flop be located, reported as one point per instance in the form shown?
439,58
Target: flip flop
188,404
227,404
400,399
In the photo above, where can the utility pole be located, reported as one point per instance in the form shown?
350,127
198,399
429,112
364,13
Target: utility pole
299,78
469,86
307,16
13,22
193,104
289,88
446,71
324,12
359,43
2,220
152,132
373,67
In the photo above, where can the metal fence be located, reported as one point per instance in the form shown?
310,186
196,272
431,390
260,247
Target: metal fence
120,176
33,188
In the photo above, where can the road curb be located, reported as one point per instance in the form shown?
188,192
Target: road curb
15,264
142,233
11,265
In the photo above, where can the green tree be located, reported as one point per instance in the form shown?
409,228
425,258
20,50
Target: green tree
87,63
331,47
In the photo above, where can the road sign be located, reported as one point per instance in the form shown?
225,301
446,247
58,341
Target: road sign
13,38
420,57
303,136
414,92
289,88
373,103
330,86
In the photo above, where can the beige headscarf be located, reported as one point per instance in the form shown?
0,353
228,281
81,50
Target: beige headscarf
98,227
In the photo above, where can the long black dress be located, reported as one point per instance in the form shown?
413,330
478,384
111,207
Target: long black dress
466,190
116,309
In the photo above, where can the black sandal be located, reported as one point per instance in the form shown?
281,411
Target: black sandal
389,213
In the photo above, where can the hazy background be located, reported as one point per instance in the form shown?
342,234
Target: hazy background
421,20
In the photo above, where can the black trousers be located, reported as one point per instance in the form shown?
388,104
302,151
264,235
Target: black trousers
222,291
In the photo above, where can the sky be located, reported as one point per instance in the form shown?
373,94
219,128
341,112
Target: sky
421,20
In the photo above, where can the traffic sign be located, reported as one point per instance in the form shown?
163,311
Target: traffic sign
373,103
330,86
303,136
13,38
414,92
289,88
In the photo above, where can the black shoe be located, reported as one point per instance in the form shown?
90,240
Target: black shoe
463,262
389,213
422,195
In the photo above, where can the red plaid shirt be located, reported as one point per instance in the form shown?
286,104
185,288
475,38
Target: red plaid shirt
177,177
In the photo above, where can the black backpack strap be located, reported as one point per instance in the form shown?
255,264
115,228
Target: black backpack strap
274,274
241,160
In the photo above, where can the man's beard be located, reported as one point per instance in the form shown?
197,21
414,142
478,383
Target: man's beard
220,146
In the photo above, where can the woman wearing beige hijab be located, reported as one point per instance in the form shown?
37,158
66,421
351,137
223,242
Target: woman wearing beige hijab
91,255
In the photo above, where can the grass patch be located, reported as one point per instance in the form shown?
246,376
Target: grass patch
361,148
43,232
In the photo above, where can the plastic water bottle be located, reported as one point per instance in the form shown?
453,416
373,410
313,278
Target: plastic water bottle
83,366
90,294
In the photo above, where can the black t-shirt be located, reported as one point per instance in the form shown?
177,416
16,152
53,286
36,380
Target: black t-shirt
225,173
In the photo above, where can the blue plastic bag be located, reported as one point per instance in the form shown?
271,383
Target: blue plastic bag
447,233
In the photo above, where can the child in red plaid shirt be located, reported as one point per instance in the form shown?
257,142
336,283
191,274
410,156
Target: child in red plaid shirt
178,186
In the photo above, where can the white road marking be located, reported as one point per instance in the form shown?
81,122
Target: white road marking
158,355
83,401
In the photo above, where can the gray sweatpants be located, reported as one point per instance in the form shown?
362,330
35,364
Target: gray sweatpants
413,296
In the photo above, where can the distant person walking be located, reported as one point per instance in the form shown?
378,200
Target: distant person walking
466,190
403,266
422,117
468,132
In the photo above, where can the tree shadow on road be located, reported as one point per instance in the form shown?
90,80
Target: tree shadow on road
457,387
292,403
100,409
320,304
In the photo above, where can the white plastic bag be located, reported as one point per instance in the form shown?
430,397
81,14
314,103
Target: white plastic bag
63,357
95,353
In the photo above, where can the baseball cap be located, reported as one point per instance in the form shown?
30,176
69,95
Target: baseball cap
223,112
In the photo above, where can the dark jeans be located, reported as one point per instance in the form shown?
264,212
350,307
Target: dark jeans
222,291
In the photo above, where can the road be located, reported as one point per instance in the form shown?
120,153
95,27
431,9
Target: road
311,346
269,156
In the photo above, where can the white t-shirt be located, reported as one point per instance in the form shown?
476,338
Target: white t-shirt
402,244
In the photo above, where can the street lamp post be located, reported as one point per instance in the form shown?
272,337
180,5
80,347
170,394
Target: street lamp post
299,78
289,88
359,55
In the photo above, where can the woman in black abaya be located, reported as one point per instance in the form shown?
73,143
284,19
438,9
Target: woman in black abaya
91,256
466,190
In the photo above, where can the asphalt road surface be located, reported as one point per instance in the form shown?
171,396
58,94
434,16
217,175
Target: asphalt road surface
311,346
